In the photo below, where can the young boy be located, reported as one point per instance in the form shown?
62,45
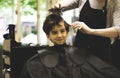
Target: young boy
63,61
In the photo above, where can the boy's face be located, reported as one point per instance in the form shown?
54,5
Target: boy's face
58,34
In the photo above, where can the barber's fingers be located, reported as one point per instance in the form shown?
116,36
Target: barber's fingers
57,5
77,25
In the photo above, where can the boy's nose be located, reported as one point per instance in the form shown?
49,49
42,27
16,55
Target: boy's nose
59,34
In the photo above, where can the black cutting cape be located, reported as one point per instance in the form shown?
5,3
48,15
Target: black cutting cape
67,62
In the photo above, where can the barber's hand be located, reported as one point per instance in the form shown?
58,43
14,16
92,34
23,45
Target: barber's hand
57,5
81,26
76,25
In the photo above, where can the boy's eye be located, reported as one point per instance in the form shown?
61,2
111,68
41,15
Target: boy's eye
63,30
54,32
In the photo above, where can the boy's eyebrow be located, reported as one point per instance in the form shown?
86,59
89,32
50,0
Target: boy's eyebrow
59,24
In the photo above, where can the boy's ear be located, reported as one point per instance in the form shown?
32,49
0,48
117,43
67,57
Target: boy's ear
47,36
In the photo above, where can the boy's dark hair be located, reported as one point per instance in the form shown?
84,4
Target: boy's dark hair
53,19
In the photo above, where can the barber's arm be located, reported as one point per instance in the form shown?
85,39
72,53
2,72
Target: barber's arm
106,32
111,32
118,30
67,4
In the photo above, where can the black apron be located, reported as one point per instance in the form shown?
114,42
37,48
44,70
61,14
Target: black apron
94,18
115,52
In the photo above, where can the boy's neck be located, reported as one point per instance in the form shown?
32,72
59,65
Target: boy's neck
63,45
